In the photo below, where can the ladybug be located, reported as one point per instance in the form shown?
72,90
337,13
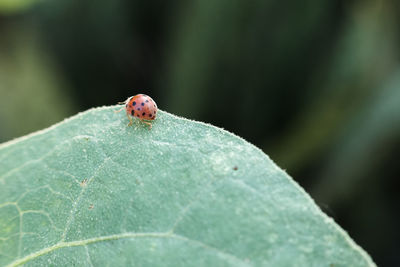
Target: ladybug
140,106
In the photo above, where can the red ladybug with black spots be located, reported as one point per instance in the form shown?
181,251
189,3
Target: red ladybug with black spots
142,107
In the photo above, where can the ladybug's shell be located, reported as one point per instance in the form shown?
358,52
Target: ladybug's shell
142,107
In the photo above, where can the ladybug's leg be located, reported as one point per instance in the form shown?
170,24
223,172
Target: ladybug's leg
148,123
130,120
116,111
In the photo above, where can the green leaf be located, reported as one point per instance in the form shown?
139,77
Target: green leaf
15,6
93,191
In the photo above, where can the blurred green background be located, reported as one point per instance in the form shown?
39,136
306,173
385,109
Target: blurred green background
315,84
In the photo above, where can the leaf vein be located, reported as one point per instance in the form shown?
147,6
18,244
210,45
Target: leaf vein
127,235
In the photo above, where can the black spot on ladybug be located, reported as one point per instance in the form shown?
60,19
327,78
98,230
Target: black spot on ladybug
150,115
142,104
134,103
138,108
154,112
143,113
133,112
147,101
138,115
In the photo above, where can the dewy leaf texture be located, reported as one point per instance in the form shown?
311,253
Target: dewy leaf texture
91,191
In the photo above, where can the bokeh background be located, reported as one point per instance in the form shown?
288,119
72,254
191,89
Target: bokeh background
315,84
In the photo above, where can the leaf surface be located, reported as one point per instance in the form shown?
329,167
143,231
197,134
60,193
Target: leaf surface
91,191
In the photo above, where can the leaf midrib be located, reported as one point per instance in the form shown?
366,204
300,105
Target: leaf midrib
127,235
